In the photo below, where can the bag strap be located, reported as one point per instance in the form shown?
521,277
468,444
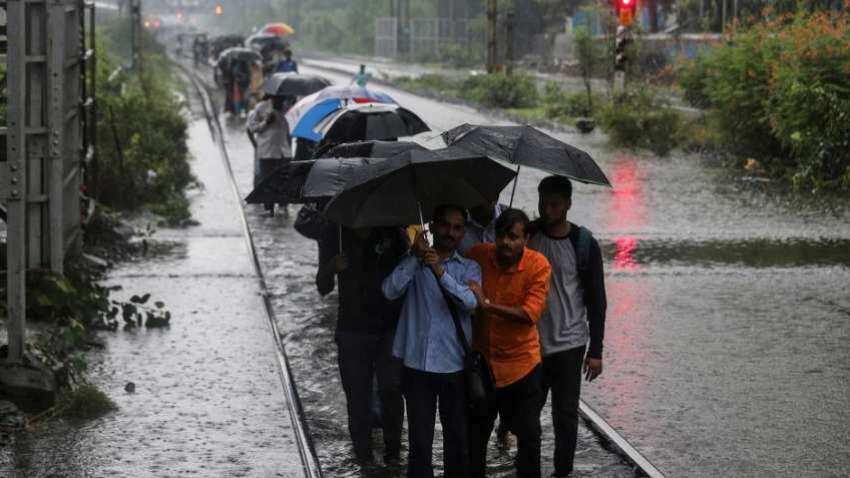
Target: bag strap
464,343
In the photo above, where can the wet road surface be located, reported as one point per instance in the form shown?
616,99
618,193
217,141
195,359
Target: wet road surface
726,343
208,399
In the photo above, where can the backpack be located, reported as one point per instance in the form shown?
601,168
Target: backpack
581,243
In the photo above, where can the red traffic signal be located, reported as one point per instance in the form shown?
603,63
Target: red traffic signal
626,10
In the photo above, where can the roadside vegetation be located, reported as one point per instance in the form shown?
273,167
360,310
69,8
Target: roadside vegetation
142,165
778,95
775,98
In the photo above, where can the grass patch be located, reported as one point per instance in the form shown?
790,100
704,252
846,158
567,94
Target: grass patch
85,403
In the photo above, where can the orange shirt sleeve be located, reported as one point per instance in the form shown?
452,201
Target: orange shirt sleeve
537,289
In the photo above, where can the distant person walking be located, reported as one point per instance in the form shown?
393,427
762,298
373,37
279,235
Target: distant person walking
287,64
428,343
269,133
511,299
365,330
574,316
361,78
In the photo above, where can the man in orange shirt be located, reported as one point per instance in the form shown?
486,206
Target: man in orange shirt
511,299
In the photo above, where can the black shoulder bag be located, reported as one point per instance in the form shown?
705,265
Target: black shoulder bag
480,383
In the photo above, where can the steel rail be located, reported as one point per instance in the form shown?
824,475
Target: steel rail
303,439
643,467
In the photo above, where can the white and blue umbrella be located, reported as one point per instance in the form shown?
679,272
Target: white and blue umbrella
305,115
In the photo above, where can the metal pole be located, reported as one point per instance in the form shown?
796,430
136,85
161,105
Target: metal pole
491,35
16,148
723,17
509,39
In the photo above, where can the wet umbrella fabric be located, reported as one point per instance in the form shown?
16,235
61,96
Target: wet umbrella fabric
293,84
278,29
265,43
328,176
368,149
527,146
310,110
394,191
287,183
238,54
370,121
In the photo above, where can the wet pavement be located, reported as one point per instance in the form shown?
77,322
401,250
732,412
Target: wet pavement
208,400
726,344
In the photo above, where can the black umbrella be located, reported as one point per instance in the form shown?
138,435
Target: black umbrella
293,84
366,149
223,42
263,42
287,183
282,185
238,54
400,189
370,121
527,146
328,176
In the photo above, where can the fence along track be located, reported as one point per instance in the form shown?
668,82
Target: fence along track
304,440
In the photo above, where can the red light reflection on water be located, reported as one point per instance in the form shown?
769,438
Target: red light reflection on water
624,256
627,211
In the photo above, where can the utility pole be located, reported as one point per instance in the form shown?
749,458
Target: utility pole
509,39
136,35
491,35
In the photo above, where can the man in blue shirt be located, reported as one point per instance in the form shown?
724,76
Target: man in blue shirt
427,342
287,65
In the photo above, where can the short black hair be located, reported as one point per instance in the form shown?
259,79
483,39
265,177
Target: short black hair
441,211
556,185
509,218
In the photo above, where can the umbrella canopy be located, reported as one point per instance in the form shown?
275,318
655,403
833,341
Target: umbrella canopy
223,42
310,110
392,192
369,121
238,54
287,183
367,149
328,176
527,146
278,29
266,43
293,84
283,185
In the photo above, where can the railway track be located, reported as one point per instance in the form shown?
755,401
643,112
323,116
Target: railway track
607,434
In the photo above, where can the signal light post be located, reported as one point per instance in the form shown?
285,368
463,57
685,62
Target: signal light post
625,16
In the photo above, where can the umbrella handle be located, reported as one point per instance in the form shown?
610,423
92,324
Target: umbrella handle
516,180
340,238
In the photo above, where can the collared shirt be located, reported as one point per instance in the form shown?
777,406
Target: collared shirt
426,338
477,233
512,348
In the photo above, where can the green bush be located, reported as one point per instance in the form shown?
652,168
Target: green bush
500,90
780,92
559,104
142,151
638,118
460,56
429,83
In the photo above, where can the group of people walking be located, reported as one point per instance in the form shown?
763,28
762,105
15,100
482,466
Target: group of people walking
528,295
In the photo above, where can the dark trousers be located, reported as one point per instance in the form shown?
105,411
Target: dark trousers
362,356
519,405
562,374
422,392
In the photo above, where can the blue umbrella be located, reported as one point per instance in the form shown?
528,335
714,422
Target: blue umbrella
305,115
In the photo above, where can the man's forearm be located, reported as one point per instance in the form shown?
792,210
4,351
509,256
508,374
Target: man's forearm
516,314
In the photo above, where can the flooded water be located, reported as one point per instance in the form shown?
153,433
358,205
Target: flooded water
726,343
208,400
309,321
